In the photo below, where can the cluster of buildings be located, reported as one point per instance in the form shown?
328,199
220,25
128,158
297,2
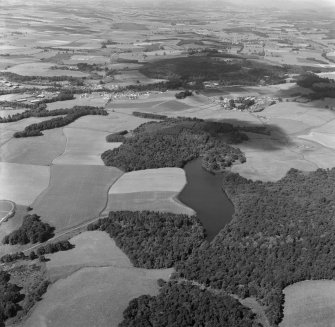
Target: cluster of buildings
249,103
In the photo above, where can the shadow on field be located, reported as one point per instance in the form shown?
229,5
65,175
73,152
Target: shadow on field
266,137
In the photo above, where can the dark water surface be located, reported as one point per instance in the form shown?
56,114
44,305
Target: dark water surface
205,195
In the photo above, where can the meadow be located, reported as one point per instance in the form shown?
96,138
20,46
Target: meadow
76,193
309,303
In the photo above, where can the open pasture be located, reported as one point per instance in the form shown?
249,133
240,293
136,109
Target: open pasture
42,69
93,248
114,122
22,183
94,296
88,295
75,194
40,150
150,180
309,304
269,159
150,189
84,147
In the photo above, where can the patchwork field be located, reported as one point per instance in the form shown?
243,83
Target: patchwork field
309,304
150,189
84,147
75,194
92,296
40,150
22,183
114,122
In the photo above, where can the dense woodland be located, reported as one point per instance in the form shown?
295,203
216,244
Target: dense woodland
321,87
9,298
152,239
32,230
282,233
71,115
184,305
174,142
194,70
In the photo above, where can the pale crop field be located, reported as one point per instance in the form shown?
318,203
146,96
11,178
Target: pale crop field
42,69
156,201
40,150
149,180
309,304
88,295
84,147
114,122
22,183
76,193
150,189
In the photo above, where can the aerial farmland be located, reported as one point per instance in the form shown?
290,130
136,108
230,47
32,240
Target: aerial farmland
167,163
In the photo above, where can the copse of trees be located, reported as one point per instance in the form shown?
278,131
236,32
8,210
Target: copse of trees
282,233
184,305
32,230
183,94
322,87
174,142
153,239
72,115
116,137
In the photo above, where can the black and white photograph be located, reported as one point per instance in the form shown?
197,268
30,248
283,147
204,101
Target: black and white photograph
167,163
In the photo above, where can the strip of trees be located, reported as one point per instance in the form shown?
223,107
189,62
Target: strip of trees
71,115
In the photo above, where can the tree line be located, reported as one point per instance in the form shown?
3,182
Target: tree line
71,115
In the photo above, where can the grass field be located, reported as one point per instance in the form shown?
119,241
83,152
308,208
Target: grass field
114,122
93,295
309,304
150,189
94,100
149,180
41,150
84,147
22,183
75,194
